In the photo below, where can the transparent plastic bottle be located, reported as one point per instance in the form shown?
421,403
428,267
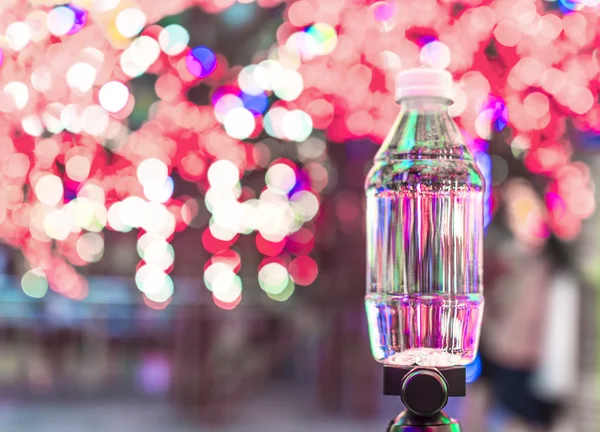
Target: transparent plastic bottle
424,233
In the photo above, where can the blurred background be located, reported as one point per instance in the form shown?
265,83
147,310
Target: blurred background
182,216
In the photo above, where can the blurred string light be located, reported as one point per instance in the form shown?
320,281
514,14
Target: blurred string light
68,91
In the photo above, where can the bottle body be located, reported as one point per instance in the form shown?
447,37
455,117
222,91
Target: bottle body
424,297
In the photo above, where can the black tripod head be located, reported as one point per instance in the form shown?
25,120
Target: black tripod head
424,392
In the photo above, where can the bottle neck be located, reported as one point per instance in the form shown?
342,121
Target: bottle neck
426,104
424,129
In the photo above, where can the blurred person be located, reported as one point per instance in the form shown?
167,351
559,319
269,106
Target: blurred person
527,272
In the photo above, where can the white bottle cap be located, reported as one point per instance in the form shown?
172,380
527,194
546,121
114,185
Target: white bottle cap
420,82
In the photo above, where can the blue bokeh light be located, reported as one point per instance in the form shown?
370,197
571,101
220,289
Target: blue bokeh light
80,18
484,162
256,104
500,112
474,370
568,6
201,62
424,40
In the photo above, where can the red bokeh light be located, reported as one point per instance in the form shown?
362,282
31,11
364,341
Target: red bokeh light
227,306
269,248
303,270
215,245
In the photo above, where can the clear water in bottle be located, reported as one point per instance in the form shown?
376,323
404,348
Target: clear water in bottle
424,297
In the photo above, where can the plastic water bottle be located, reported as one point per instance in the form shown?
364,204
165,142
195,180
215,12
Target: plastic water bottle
424,233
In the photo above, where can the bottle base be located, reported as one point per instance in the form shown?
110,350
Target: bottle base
426,357
425,330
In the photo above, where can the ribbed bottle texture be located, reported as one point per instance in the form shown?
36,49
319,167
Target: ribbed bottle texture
424,232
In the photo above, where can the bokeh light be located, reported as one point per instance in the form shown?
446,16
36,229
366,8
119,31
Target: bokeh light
78,168
49,189
19,93
80,18
239,123
284,294
154,283
173,39
227,287
255,103
223,175
113,96
436,54
290,86
201,62
130,22
152,171
139,56
268,74
281,178
305,204
273,278
159,193
61,20
296,125
34,283
303,270
90,247
325,36
248,82
18,35
81,77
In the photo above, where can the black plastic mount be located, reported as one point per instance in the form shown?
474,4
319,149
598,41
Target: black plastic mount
455,376
424,390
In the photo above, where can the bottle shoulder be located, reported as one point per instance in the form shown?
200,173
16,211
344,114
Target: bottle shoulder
424,147
436,173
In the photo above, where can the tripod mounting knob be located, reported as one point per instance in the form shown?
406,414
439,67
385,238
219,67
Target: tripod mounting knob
424,392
